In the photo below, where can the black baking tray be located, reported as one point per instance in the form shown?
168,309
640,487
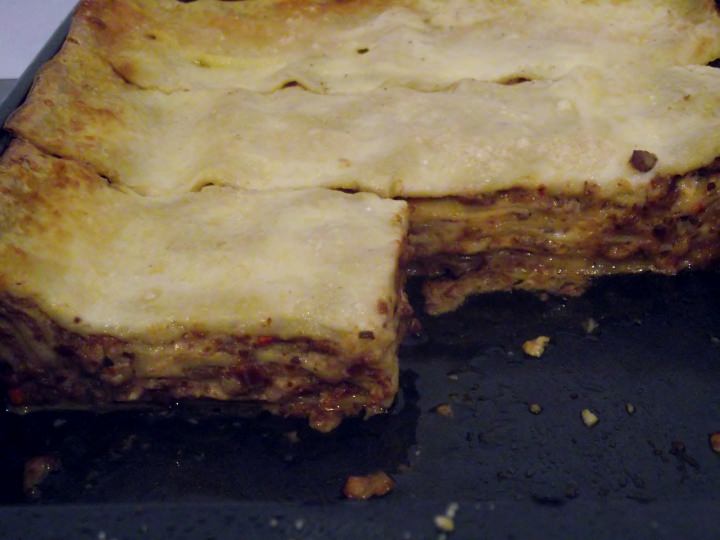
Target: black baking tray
210,472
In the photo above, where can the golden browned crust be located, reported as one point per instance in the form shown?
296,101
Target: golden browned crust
327,45
192,35
62,99
260,23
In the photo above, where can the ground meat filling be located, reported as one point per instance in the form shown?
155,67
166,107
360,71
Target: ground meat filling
309,378
537,241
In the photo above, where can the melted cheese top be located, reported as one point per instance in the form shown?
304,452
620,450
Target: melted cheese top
476,138
360,45
312,263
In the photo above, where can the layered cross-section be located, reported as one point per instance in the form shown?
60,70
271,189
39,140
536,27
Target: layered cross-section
291,299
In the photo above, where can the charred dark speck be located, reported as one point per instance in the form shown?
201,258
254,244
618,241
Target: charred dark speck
642,160
660,232
366,334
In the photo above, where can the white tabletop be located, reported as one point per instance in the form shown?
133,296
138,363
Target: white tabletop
25,26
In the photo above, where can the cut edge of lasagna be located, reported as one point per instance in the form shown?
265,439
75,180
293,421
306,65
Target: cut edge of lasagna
537,241
293,300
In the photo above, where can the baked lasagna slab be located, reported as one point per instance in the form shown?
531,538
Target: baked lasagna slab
292,299
540,185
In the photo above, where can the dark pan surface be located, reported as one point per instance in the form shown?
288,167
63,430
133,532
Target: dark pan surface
211,473
656,347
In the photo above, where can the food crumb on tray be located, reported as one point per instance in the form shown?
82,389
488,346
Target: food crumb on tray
589,418
535,408
536,347
715,442
365,487
444,409
590,325
36,471
630,408
445,523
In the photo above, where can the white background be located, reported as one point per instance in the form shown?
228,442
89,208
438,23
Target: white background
25,26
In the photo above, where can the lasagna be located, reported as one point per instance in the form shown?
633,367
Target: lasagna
540,185
220,200
291,299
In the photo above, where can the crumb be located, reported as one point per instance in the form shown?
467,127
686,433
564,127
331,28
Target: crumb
273,522
590,325
365,487
544,297
535,408
453,376
630,408
299,524
36,470
715,442
444,409
536,347
445,523
292,437
589,418
715,340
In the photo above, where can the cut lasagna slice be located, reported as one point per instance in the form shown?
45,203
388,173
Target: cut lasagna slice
332,46
292,299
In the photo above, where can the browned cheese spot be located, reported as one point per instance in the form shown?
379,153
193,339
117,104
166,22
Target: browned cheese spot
642,160
365,487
